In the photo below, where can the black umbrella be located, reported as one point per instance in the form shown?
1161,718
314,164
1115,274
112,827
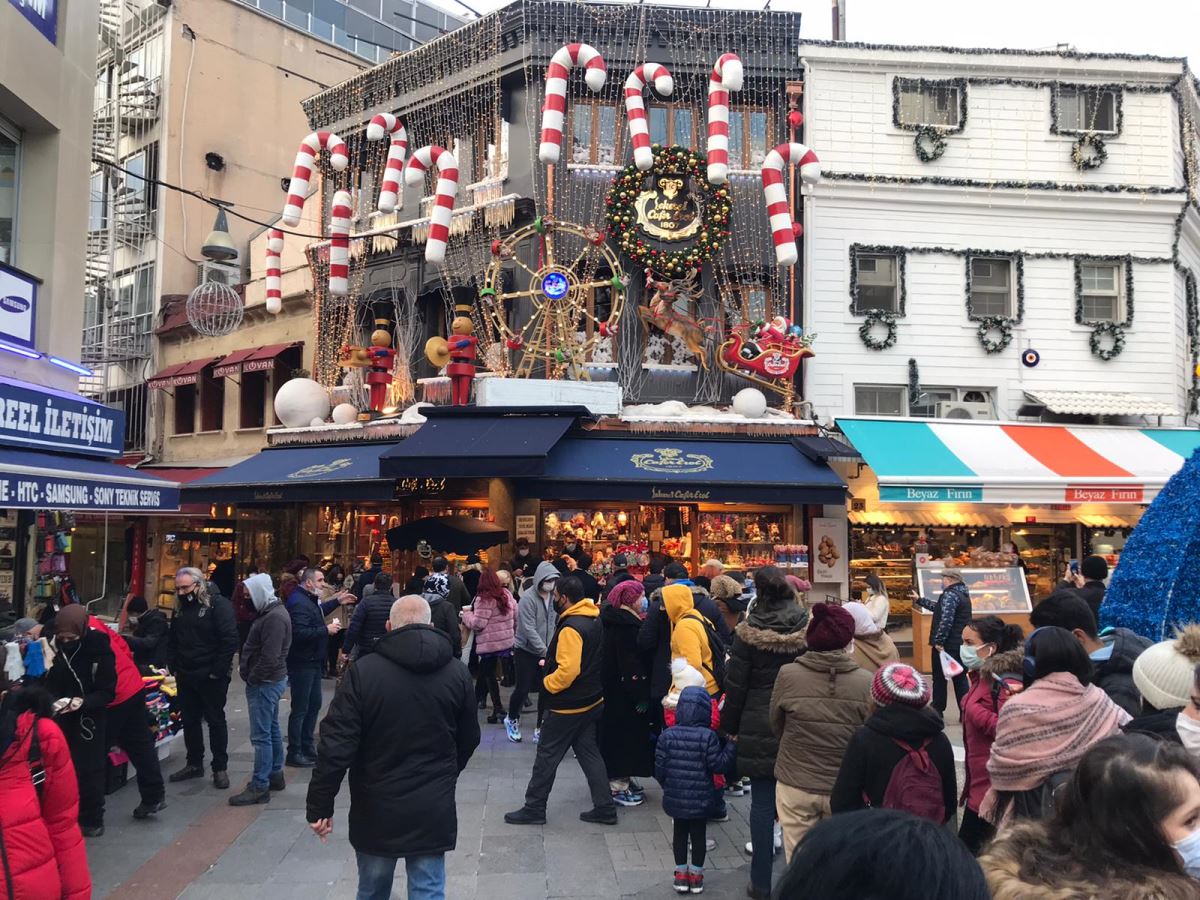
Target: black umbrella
454,534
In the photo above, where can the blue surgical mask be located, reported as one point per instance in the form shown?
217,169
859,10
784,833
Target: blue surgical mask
1103,654
644,605
970,656
1189,851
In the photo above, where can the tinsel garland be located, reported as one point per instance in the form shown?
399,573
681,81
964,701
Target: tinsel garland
929,143
898,252
992,51
1157,585
1193,334
914,383
1004,184
899,84
1088,153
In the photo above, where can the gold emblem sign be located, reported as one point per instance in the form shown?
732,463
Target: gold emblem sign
668,211
671,461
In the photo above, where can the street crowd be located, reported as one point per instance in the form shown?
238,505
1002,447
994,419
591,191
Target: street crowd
1082,746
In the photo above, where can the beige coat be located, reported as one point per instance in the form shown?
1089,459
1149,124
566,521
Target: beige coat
819,701
874,651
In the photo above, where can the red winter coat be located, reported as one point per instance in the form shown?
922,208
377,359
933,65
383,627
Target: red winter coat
129,679
493,629
45,849
979,716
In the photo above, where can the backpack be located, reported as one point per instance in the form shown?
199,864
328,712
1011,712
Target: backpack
716,647
915,784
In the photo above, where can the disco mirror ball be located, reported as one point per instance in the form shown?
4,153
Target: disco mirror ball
214,309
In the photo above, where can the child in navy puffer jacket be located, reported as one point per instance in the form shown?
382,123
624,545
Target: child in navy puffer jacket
687,756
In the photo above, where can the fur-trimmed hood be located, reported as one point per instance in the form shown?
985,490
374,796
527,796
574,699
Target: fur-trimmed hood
1011,662
771,641
1010,878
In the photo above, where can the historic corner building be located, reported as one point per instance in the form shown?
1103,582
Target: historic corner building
601,297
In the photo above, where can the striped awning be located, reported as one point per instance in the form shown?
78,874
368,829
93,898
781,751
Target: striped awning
943,461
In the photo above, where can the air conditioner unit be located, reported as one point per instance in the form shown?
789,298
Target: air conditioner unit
963,409
222,273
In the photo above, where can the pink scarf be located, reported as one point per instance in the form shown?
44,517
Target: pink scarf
1045,729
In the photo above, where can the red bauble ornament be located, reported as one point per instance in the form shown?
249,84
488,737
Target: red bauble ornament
797,229
607,330
515,343
795,118
496,245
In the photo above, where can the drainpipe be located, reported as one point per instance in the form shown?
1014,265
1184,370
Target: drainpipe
104,572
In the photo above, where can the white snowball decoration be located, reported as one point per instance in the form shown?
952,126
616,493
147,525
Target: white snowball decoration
345,413
750,402
301,400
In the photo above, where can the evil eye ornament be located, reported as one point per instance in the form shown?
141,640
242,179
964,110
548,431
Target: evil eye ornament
1030,358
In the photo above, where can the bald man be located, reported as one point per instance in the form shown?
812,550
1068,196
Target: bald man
404,724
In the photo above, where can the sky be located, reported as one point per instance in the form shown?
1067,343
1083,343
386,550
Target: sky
1159,27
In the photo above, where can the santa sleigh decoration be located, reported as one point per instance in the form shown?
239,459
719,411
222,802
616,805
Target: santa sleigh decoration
768,354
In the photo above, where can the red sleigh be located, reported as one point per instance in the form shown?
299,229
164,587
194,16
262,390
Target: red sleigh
769,363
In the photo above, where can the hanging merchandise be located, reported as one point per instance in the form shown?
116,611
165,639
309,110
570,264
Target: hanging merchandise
726,77
306,159
778,209
339,244
635,109
389,189
274,271
445,192
554,109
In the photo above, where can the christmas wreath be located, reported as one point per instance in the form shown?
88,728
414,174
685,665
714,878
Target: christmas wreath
878,317
1116,331
990,324
1088,153
929,143
716,203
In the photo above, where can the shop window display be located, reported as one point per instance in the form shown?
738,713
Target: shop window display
750,540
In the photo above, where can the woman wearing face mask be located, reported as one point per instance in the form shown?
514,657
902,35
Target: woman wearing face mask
1127,826
991,651
83,680
625,724
1164,674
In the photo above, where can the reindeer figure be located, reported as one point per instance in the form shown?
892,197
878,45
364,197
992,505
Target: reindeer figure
660,312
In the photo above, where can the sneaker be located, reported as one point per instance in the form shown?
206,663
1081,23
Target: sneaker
709,845
144,810
600,815
696,882
276,781
186,772
92,830
525,816
250,796
746,785
635,788
221,780
750,847
513,729
537,735
681,882
627,798
735,790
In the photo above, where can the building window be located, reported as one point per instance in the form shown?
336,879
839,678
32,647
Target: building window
991,286
185,409
1083,108
1101,285
877,285
98,202
879,400
750,133
598,135
752,303
212,402
940,104
134,292
673,125
10,158
595,138
252,403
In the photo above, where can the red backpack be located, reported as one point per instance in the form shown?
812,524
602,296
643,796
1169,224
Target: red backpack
915,785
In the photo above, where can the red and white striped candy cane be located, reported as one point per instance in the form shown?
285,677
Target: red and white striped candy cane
306,158
339,245
274,271
554,109
775,194
444,194
389,190
635,110
726,77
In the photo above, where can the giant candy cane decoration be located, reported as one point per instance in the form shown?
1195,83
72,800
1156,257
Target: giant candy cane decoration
554,109
775,194
339,244
726,77
446,191
306,156
389,189
274,271
635,110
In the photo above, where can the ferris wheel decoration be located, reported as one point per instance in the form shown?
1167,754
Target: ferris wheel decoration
568,289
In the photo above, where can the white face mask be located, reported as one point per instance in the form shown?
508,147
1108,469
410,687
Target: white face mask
1189,853
1189,733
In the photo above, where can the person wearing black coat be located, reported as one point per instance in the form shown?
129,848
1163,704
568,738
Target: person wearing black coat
951,614
625,725
403,724
369,622
903,714
444,614
771,637
148,641
200,648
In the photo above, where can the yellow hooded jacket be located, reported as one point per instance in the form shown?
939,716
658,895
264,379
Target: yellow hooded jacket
573,671
688,638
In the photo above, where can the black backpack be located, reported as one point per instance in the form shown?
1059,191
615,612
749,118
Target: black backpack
716,647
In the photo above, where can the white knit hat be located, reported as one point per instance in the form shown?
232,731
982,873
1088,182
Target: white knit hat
682,676
1165,672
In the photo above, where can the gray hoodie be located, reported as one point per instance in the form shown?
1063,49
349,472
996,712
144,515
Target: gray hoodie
536,616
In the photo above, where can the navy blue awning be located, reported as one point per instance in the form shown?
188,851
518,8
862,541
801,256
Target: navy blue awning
31,480
298,473
672,470
477,446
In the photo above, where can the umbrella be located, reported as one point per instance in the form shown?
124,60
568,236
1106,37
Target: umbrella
455,534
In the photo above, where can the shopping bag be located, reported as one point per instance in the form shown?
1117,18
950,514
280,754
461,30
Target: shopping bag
951,667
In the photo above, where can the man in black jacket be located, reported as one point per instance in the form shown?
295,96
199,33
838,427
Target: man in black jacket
306,658
457,592
403,723
370,619
1089,583
575,704
366,578
200,648
148,641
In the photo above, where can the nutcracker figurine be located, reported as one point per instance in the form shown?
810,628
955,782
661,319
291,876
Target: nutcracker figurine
464,350
378,359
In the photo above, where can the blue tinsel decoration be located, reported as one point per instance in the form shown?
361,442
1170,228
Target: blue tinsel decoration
1157,585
